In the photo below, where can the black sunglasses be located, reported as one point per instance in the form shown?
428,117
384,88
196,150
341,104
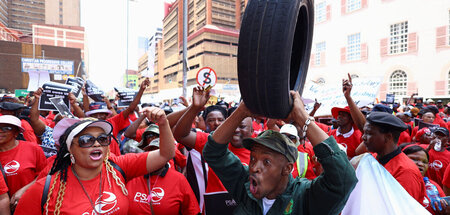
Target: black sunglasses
6,128
87,140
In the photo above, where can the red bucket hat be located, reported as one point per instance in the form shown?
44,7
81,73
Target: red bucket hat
335,111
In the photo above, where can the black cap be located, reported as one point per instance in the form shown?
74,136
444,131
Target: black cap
386,120
441,130
11,106
382,108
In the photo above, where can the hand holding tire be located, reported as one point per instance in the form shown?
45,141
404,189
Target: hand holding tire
298,113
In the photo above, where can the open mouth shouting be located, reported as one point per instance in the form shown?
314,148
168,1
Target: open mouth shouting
253,185
96,155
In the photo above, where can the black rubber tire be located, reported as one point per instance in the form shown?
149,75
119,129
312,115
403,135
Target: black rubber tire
273,54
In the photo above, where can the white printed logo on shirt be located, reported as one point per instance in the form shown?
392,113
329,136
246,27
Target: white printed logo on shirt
157,194
11,167
436,165
105,205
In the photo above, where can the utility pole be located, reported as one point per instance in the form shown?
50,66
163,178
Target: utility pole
185,21
128,12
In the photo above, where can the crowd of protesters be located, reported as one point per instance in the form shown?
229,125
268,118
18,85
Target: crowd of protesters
186,158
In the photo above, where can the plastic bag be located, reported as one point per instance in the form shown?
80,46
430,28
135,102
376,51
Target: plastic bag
377,192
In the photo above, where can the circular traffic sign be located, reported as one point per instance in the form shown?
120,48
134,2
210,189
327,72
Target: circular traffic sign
206,77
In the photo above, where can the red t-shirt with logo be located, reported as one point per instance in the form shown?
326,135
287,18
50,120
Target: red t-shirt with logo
22,164
351,143
75,200
171,194
214,184
403,169
437,165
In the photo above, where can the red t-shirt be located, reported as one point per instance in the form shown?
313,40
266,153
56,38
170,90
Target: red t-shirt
325,128
214,184
446,179
22,164
306,148
403,169
75,200
28,134
404,138
3,186
438,120
437,165
171,194
351,143
119,123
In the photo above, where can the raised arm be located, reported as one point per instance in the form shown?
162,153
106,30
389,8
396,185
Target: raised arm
224,133
175,116
77,111
182,130
410,98
316,107
131,130
137,99
109,106
37,125
158,158
358,117
86,101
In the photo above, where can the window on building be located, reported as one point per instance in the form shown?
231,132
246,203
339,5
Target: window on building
354,47
321,11
398,83
448,27
353,5
320,47
398,41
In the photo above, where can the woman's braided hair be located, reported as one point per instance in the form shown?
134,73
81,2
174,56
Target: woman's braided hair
61,166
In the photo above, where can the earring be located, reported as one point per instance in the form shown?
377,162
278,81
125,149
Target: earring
72,159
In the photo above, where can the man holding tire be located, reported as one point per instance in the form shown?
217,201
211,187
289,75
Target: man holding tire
266,186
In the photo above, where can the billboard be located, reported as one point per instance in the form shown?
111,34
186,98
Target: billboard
63,67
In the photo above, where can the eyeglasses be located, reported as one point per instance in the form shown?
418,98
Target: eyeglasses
151,135
87,140
6,128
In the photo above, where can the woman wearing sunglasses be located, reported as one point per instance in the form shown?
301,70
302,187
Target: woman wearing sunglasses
21,161
85,179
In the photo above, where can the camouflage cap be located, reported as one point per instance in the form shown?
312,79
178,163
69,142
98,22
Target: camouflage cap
275,141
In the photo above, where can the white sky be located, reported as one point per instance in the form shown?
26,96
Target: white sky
105,28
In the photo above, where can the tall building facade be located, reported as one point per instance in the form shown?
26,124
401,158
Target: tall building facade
4,12
384,38
23,13
213,33
59,35
62,12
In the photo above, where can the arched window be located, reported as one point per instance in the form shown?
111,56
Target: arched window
398,83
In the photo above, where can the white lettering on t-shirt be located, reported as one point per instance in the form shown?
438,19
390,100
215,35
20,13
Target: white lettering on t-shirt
267,204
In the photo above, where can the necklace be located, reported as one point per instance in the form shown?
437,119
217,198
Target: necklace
86,193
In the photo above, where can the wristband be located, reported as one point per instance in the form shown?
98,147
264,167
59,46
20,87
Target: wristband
307,122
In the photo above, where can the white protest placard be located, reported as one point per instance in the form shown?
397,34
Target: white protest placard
206,77
364,92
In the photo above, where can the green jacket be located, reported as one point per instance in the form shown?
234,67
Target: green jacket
327,194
